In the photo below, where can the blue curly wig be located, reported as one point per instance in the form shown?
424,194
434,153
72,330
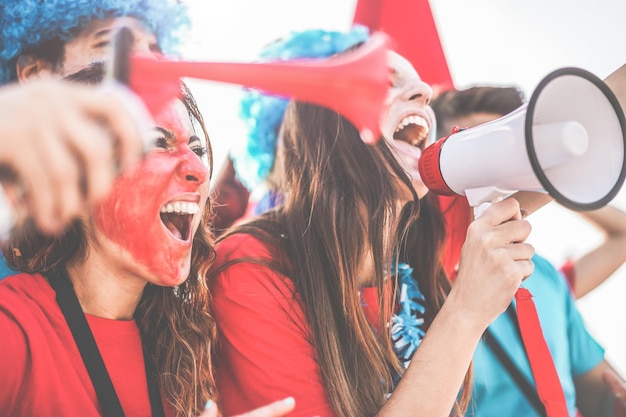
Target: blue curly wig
25,24
263,113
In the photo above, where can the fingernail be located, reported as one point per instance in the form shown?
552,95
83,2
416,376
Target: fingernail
208,405
289,401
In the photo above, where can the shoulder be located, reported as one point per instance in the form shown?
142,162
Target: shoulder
28,312
27,303
25,291
546,274
242,245
246,265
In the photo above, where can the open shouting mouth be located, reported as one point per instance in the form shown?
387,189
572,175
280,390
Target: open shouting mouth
412,129
177,217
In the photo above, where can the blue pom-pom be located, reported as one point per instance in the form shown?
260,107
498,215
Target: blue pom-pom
263,113
407,325
25,24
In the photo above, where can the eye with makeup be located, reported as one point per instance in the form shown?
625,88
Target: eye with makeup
165,139
161,138
195,144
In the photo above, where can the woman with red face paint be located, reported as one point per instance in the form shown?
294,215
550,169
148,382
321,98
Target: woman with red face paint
110,316
101,292
43,123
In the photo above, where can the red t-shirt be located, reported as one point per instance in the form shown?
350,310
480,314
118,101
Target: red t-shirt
266,351
41,371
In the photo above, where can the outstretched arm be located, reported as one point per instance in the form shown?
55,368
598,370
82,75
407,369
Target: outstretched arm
64,143
593,268
617,83
494,261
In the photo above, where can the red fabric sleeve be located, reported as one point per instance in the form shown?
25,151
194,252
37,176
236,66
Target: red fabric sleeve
265,341
457,215
14,359
570,274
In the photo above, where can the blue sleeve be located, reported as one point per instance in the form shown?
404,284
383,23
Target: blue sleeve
5,271
584,351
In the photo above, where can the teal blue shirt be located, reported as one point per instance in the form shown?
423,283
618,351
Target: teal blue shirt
573,349
5,271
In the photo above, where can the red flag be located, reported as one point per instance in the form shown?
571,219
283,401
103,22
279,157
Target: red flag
411,27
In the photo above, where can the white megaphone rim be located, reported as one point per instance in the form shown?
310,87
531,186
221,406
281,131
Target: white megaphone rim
532,152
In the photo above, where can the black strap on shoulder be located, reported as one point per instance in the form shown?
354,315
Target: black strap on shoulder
153,385
529,391
75,318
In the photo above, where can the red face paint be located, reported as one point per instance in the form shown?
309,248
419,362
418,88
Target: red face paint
170,178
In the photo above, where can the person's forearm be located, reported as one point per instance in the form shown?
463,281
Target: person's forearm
593,268
617,83
432,382
531,201
608,219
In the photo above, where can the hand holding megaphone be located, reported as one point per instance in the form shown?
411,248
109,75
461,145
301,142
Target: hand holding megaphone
568,142
495,259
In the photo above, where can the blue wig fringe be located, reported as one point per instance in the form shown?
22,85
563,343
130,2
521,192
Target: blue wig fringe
263,113
25,24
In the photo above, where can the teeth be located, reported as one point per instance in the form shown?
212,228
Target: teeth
181,207
414,119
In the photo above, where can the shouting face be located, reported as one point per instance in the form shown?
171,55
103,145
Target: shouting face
148,220
407,120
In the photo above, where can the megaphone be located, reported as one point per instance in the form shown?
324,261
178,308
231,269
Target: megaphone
568,141
354,84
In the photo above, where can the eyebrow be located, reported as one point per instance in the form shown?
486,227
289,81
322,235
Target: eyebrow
102,32
92,74
168,135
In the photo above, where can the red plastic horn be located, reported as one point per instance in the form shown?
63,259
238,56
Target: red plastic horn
354,84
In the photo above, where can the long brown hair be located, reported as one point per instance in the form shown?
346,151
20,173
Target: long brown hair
340,200
176,325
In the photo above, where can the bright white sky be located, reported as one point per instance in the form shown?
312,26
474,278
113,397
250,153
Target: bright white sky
485,41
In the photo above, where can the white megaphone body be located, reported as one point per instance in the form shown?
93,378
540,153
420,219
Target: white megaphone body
568,141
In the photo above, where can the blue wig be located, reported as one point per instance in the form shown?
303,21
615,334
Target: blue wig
25,24
263,113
